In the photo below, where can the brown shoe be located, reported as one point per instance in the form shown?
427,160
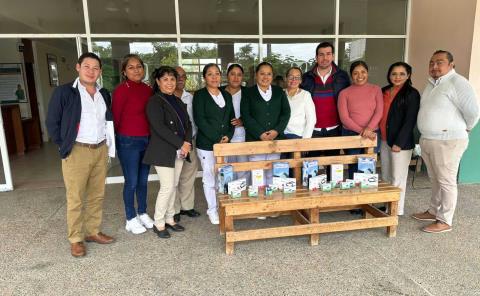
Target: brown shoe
100,238
425,216
437,227
77,249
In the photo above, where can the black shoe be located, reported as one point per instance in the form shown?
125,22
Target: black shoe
161,233
190,213
175,227
176,217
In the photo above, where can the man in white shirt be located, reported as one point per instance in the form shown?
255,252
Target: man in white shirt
80,122
448,111
185,197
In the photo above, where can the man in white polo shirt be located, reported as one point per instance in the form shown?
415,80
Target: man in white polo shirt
185,197
448,111
80,122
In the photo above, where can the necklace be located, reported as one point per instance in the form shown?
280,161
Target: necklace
297,90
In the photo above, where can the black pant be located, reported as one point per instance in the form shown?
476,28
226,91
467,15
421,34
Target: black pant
324,133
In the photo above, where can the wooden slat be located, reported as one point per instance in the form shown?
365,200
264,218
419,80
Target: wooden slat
294,145
374,211
229,246
299,217
294,163
246,235
314,218
393,211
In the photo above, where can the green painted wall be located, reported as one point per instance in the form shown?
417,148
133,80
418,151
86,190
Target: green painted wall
470,164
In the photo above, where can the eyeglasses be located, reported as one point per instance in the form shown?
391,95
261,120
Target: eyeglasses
297,78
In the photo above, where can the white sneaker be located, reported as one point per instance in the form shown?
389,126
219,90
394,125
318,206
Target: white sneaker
214,218
146,221
134,226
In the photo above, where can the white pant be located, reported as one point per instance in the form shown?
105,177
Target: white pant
165,204
207,160
442,158
259,157
395,170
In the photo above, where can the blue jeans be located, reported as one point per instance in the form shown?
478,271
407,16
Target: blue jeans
353,168
130,152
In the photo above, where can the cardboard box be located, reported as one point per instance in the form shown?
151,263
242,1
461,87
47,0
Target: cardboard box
258,178
224,176
290,185
367,165
309,169
278,182
315,183
281,170
237,185
327,187
252,191
336,173
366,180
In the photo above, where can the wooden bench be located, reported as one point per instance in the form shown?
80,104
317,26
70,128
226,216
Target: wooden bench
304,206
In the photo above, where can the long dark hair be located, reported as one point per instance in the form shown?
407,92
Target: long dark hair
406,88
160,72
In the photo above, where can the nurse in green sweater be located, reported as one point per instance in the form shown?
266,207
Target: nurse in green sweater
265,112
212,112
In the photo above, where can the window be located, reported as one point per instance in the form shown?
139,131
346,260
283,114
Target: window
130,17
379,54
299,17
218,17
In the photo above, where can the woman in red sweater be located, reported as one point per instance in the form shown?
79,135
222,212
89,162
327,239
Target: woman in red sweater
132,134
360,107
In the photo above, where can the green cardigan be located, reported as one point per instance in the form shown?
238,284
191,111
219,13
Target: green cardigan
212,121
260,116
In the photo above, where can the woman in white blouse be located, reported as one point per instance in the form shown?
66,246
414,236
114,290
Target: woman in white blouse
234,87
302,110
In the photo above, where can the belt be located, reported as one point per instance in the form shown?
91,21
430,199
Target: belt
91,146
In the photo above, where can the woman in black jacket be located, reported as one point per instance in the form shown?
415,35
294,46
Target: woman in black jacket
170,144
401,104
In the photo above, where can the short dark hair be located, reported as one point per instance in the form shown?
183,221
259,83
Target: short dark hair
90,55
257,68
234,65
159,73
356,64
325,44
449,54
407,67
208,66
294,68
125,61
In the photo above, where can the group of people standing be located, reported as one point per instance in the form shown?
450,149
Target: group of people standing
166,127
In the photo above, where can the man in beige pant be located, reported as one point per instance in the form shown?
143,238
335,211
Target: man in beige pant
448,111
80,122
185,197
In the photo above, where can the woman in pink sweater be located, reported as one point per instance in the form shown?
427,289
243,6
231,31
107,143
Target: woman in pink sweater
360,107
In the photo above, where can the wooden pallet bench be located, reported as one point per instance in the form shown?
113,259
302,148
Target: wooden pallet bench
304,206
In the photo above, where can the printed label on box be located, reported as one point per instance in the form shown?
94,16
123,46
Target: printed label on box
225,175
237,185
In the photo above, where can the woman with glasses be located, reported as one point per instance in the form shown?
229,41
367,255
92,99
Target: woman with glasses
401,102
302,110
213,113
265,112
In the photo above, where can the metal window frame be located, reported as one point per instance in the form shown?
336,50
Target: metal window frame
178,36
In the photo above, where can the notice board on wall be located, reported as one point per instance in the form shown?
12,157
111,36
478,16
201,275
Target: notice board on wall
12,84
